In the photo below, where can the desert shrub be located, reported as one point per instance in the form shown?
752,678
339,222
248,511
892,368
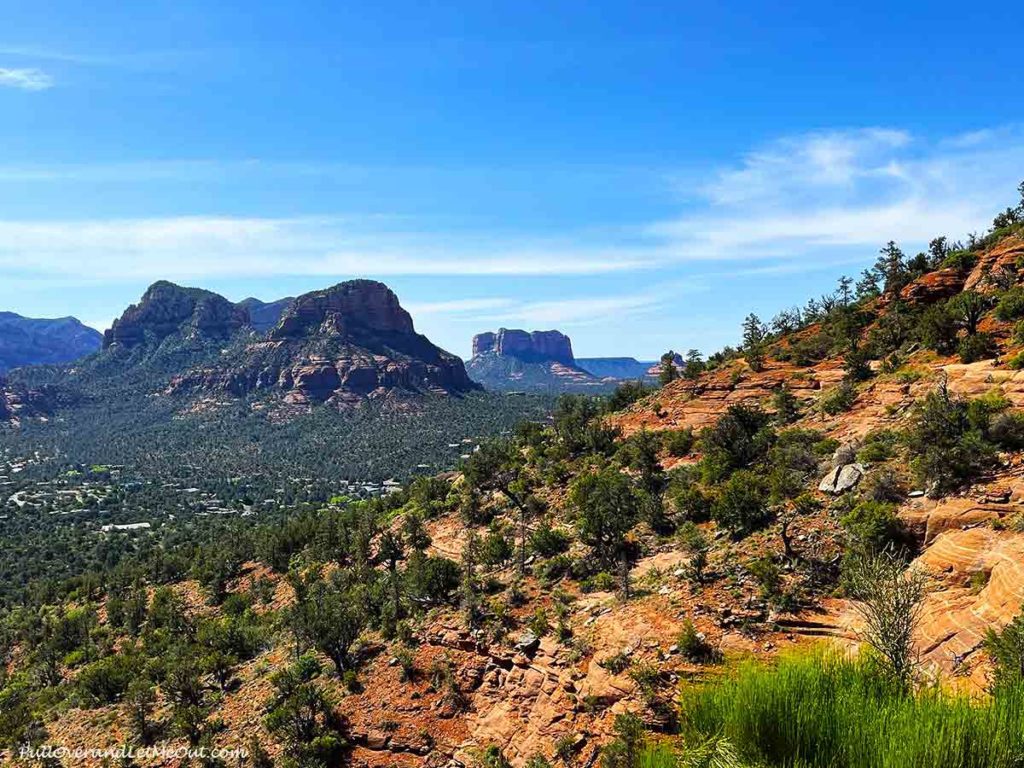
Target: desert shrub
694,646
696,545
548,542
978,346
936,328
678,442
962,260
1017,361
883,484
690,502
496,547
1011,304
768,576
1007,430
879,445
948,449
1006,649
741,436
873,526
741,506
838,399
106,681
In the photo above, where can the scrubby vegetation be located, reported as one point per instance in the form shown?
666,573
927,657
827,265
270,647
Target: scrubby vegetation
159,628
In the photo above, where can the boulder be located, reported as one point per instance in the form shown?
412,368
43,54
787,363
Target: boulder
842,479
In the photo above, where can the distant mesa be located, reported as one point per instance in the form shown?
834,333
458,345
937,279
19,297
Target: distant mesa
517,360
615,367
536,346
32,341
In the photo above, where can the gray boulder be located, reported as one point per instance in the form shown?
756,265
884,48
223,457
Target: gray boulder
842,479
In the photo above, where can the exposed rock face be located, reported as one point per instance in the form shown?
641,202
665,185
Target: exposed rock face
30,341
841,479
343,344
18,402
167,309
514,360
530,347
933,287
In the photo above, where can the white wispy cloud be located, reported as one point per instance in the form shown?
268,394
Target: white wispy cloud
209,247
816,199
819,193
25,78
458,306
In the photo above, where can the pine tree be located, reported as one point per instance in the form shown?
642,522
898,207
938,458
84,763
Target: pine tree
891,268
754,334
668,372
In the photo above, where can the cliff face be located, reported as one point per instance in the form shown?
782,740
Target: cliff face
340,345
167,309
529,347
30,341
515,360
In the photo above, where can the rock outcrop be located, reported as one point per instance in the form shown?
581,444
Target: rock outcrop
31,341
535,346
167,309
340,345
541,361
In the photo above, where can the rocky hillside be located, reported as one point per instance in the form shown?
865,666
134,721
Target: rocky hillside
31,341
572,592
341,345
516,360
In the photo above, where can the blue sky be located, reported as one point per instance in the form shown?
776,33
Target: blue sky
639,175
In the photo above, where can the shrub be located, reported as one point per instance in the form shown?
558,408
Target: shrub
496,547
678,442
694,646
948,450
883,484
1007,430
696,545
1011,304
936,328
889,600
548,542
105,681
741,506
962,260
838,399
769,578
690,502
1017,361
1006,649
979,346
879,445
873,526
740,437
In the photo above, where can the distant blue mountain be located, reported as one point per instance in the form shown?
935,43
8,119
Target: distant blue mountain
31,341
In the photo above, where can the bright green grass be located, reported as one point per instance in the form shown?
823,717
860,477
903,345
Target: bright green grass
827,711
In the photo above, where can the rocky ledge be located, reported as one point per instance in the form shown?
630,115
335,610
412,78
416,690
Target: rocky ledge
342,345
